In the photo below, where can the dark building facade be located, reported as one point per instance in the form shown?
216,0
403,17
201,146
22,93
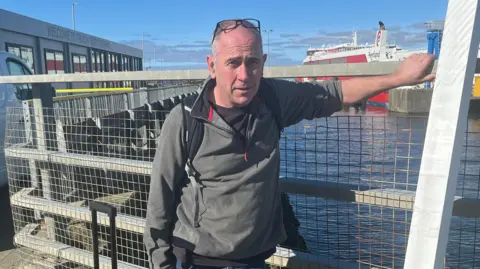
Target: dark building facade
52,49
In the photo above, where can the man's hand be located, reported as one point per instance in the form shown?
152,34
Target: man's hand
415,69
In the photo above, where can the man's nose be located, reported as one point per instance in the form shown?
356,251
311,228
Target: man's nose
243,72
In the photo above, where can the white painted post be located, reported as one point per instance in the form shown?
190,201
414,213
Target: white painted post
444,138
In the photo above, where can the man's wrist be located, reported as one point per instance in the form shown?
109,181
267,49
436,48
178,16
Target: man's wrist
394,80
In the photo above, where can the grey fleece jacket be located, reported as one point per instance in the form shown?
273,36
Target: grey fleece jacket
237,201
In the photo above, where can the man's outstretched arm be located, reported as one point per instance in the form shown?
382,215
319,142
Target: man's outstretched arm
299,101
412,71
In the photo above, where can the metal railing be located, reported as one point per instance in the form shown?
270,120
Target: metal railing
350,180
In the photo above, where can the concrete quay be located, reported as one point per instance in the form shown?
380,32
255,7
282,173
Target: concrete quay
408,100
411,101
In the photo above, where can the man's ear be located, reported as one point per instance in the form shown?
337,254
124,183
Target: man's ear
211,66
264,58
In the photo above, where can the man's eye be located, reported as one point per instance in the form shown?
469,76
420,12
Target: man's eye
235,63
253,62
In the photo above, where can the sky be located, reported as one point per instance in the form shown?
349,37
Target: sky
177,33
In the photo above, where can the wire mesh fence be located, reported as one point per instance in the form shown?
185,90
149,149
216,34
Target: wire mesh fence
350,181
85,159
376,158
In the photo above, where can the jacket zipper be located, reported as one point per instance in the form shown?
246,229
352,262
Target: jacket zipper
221,128
247,138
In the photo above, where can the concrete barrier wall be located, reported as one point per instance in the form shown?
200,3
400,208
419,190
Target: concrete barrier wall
410,100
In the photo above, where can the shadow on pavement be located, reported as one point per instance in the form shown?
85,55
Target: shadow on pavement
6,222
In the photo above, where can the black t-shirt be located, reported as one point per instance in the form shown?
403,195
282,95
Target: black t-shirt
236,117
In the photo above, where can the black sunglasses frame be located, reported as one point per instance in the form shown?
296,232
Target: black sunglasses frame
235,25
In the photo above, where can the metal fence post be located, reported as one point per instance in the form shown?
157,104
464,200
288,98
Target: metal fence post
444,137
46,139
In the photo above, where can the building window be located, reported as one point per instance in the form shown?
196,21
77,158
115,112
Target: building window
54,62
137,64
127,63
22,91
79,63
24,52
113,62
98,65
98,61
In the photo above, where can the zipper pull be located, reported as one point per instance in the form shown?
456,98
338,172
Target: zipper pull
245,155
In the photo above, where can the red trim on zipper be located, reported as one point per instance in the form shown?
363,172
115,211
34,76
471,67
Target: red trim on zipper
245,156
210,113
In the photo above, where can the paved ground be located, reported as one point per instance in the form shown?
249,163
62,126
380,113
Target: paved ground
6,223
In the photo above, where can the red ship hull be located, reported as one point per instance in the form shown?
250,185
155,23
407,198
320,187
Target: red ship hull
377,100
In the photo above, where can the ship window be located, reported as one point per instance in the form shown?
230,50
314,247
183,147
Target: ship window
340,60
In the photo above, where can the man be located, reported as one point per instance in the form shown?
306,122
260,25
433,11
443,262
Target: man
231,214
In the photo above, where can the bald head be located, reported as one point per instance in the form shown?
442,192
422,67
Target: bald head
235,35
236,64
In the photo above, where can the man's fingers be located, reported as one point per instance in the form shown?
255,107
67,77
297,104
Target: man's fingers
429,77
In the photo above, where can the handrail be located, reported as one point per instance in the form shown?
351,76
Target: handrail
95,94
330,70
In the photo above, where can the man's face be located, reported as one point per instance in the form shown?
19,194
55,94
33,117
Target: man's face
237,66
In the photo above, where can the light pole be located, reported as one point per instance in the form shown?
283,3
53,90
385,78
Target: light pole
73,14
268,31
143,34
143,47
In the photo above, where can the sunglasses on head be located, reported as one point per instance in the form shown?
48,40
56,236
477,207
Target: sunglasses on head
231,24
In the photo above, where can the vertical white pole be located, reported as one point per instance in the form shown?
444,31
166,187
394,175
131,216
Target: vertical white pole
445,137
73,15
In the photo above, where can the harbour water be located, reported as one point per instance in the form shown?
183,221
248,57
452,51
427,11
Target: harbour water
373,150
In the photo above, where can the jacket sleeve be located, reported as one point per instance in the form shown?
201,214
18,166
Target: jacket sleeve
167,172
307,100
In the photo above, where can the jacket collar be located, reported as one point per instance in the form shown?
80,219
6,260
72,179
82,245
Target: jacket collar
202,108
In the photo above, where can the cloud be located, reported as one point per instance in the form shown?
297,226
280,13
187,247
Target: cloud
294,46
411,36
179,67
191,46
418,26
277,43
280,59
194,52
289,35
394,28
192,55
285,48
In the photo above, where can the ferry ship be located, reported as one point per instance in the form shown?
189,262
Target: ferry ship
353,52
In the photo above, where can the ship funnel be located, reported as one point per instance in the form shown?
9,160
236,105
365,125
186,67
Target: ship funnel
381,38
